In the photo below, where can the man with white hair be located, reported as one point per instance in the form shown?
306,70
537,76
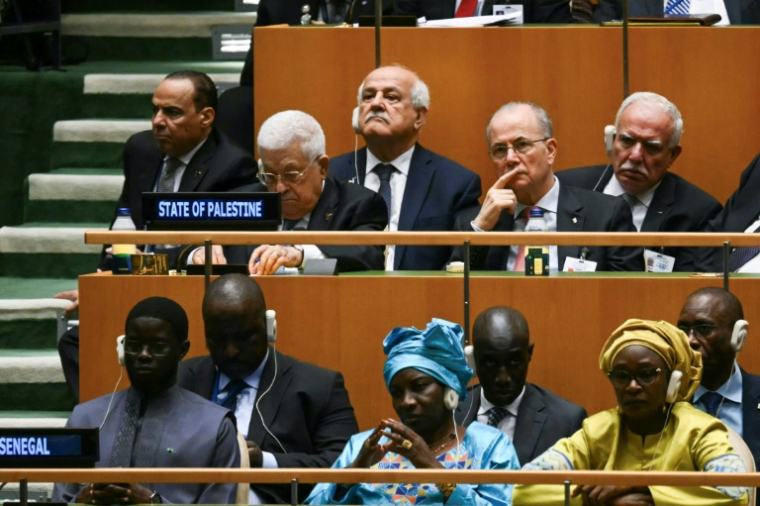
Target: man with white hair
646,144
423,191
293,162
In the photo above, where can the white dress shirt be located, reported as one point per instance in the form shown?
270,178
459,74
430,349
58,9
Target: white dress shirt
185,159
507,424
398,181
707,7
640,208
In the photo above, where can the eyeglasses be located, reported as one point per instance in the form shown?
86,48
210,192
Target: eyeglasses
644,377
157,349
291,177
520,146
701,329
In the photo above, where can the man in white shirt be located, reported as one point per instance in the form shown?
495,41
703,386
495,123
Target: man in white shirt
533,417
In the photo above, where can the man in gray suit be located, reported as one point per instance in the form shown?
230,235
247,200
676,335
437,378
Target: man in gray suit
533,417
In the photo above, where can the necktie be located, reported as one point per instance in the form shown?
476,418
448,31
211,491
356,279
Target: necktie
581,11
520,258
166,180
740,256
288,224
711,401
496,415
677,7
121,453
233,389
466,9
384,171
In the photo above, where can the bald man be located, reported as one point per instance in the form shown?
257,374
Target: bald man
533,417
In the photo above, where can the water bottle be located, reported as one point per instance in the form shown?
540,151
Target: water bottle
536,257
122,253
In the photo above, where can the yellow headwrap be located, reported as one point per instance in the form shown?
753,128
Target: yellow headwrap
667,341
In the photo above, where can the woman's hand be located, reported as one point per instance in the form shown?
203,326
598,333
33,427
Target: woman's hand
594,495
372,452
409,444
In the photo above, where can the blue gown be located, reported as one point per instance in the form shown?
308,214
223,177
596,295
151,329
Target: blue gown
482,447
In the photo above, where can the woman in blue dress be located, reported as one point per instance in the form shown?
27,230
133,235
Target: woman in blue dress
426,374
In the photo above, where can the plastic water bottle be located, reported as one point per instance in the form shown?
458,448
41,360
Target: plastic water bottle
536,257
122,253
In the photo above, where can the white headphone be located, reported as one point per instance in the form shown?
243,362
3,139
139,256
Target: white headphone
469,355
120,349
739,335
271,326
674,385
450,398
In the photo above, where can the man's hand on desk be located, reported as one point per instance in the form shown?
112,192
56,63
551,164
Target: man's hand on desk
73,296
254,454
114,493
268,258
217,256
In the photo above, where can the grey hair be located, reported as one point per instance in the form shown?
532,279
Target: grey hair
544,120
281,130
420,92
665,106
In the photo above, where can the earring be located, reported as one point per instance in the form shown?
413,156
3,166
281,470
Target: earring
664,408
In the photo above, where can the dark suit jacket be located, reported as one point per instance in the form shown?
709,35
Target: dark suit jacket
543,419
307,409
534,11
275,12
578,211
751,418
677,206
741,210
342,206
436,190
740,12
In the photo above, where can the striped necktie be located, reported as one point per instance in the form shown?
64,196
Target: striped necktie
677,7
168,174
384,172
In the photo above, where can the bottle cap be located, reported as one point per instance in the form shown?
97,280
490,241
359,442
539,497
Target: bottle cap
123,211
536,212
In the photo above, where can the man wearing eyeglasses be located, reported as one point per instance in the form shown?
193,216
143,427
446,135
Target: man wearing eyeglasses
293,162
522,148
710,316
646,144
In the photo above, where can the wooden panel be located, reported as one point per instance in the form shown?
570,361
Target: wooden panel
340,322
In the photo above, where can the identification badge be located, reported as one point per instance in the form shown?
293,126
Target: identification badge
658,262
578,265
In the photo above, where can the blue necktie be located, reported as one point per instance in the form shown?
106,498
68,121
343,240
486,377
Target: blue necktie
711,401
496,415
233,389
740,256
677,7
288,224
384,171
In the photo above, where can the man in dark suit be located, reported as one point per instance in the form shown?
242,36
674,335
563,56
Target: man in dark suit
293,163
740,214
533,417
646,144
534,11
292,413
523,149
740,12
711,317
423,191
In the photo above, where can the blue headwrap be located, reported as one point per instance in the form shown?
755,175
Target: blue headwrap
436,351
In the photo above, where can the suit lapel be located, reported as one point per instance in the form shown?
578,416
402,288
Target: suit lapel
202,374
147,175
198,166
751,411
471,406
570,218
421,172
529,424
664,197
327,206
655,8
271,402
360,166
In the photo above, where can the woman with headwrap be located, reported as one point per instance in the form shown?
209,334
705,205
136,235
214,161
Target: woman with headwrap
426,373
654,373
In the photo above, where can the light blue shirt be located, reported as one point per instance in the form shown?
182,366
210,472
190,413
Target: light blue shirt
730,411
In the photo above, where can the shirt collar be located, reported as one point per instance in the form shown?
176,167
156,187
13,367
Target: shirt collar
252,380
185,159
645,198
402,163
548,202
513,407
731,389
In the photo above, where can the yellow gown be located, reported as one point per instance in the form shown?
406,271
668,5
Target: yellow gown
691,441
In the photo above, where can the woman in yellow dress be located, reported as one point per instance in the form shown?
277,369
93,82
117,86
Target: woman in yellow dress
654,428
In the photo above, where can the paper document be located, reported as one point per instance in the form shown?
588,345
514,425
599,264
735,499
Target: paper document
513,17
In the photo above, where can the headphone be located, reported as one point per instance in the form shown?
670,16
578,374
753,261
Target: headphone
469,355
674,385
355,120
271,326
739,335
609,138
450,398
120,349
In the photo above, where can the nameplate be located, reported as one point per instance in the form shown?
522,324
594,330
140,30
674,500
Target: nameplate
55,447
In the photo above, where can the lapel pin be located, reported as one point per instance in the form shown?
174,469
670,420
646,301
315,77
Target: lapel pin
197,174
575,220
328,216
170,450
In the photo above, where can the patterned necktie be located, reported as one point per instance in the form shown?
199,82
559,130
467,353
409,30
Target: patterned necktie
581,11
466,9
496,415
121,453
384,171
740,256
711,401
168,173
520,258
677,7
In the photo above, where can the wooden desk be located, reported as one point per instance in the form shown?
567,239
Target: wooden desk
340,322
575,72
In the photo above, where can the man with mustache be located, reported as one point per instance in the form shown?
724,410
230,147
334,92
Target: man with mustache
533,417
423,190
646,144
522,147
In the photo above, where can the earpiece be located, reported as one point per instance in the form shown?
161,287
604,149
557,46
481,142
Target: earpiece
469,355
271,326
739,335
355,120
120,349
674,385
609,138
450,398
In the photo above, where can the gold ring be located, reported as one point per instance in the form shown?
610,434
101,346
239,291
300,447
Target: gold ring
367,444
406,444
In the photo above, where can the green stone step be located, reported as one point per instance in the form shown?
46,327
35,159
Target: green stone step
86,154
23,288
31,323
98,130
25,396
68,211
91,6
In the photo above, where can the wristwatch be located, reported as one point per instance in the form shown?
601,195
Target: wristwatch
155,498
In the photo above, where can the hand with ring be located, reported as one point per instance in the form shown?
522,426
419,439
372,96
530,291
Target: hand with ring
408,443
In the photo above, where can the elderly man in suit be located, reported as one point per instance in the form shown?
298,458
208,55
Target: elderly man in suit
523,149
646,144
734,12
533,417
292,413
423,190
294,163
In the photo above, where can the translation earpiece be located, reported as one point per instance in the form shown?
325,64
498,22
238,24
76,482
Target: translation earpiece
674,385
450,398
271,326
469,355
609,138
355,120
739,335
120,349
